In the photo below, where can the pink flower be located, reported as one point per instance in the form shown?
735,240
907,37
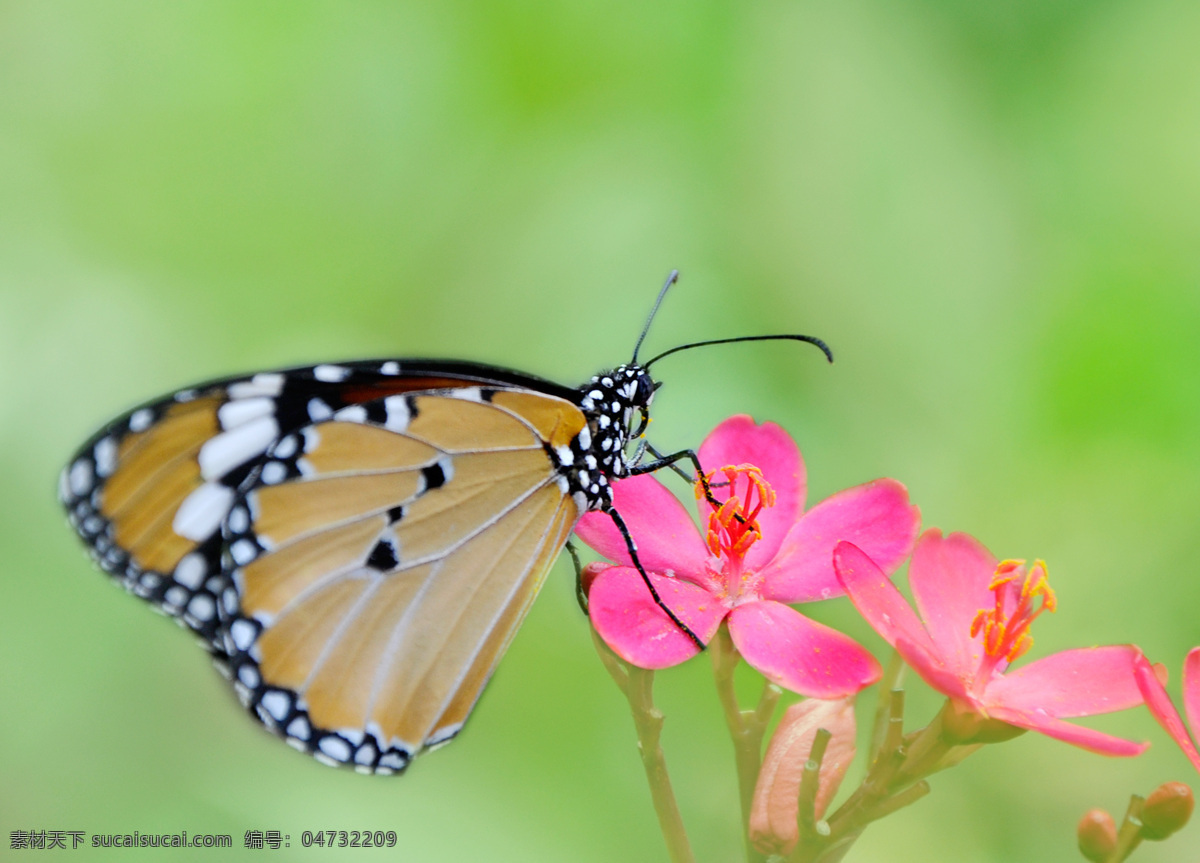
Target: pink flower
1152,680
760,552
975,620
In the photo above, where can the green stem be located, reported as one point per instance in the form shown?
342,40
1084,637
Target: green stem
1130,834
895,779
746,727
809,785
885,710
637,684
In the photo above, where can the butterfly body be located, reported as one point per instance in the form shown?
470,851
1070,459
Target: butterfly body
356,543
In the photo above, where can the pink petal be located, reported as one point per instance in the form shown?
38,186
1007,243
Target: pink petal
666,536
1081,682
739,441
773,825
1191,688
800,654
1162,708
1076,735
882,605
632,624
876,517
949,578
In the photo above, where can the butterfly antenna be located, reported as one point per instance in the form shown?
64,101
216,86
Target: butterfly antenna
671,279
795,337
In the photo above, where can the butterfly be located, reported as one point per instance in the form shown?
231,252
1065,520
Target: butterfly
357,543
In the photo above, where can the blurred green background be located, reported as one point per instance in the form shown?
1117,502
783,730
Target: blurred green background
990,210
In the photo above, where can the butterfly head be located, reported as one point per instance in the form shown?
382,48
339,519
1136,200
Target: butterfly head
617,405
617,399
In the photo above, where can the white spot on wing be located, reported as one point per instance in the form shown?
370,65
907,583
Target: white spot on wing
274,472
391,761
391,367
467,394
335,748
239,520
81,477
318,410
287,447
201,511
365,754
202,607
331,374
243,633
299,728
263,384
106,456
229,449
352,414
243,551
398,414
241,411
277,704
140,420
190,571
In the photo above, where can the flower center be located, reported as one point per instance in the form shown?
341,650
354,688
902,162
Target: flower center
1020,597
733,525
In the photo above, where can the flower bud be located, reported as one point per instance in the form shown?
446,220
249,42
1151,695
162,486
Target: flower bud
1097,834
1168,808
774,828
589,574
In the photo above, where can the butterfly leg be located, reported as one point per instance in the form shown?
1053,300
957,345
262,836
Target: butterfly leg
632,547
580,596
675,468
669,461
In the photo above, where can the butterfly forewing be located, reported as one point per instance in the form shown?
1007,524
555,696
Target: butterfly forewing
149,492
383,560
124,490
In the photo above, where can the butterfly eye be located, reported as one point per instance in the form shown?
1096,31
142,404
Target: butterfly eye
643,391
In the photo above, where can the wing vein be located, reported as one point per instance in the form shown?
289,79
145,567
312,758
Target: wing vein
486,633
336,636
403,625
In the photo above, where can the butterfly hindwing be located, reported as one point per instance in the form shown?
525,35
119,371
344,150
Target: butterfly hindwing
383,559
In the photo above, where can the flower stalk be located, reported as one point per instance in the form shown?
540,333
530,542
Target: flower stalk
746,727
637,684
1129,837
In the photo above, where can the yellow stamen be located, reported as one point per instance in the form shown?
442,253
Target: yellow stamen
1006,633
